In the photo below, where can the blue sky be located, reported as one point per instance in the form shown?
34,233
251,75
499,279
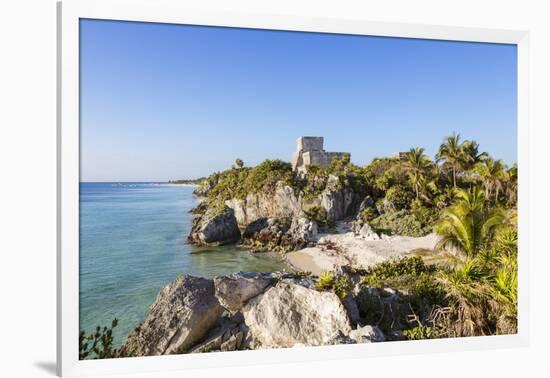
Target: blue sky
162,102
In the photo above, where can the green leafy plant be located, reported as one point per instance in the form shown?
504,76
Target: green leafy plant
326,281
319,215
97,344
368,214
400,222
420,333
342,285
399,196
469,225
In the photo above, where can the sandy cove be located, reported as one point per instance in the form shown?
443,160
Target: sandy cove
345,248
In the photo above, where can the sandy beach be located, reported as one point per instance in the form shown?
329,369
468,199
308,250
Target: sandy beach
347,249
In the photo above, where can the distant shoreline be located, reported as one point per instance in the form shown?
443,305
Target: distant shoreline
156,183
174,184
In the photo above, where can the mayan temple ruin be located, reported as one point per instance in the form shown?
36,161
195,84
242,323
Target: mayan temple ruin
309,151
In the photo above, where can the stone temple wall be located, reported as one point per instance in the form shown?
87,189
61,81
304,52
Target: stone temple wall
309,151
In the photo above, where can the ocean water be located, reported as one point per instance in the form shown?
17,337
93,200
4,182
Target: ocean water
133,242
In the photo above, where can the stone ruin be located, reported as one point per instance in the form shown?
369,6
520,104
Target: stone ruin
309,151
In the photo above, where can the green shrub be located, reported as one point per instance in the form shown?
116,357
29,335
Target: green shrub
238,182
368,214
399,196
427,216
398,268
318,214
420,333
400,222
326,281
342,286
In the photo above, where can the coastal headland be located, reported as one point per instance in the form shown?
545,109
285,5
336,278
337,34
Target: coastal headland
403,248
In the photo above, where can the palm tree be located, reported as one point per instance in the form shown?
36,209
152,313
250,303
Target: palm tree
416,165
511,185
467,293
468,225
450,152
492,174
471,155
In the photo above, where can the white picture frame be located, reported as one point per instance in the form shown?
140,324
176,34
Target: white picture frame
171,11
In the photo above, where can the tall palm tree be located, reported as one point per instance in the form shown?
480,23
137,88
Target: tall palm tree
416,165
492,174
468,225
511,185
450,152
471,155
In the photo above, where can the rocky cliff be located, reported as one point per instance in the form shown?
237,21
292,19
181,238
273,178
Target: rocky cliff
258,310
279,218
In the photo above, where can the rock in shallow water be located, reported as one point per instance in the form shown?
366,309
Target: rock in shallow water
215,228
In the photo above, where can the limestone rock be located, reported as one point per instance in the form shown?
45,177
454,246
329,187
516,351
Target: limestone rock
351,307
288,314
281,203
204,187
367,334
364,231
182,314
233,343
235,290
303,230
337,202
366,203
267,234
279,234
227,337
215,228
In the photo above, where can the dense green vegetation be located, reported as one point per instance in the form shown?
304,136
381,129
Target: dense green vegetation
197,181
239,181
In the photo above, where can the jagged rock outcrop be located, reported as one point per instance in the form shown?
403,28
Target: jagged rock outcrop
367,334
367,202
279,234
282,203
212,227
228,335
337,203
289,314
235,290
303,230
250,310
364,231
182,314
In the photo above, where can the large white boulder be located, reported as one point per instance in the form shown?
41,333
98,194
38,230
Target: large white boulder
289,314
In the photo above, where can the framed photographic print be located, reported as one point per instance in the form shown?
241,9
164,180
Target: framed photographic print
251,187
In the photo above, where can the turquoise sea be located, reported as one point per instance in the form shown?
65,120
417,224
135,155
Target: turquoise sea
133,242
